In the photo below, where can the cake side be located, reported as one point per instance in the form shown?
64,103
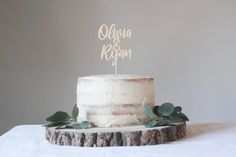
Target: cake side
108,100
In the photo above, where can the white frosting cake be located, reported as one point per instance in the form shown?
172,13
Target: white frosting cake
109,100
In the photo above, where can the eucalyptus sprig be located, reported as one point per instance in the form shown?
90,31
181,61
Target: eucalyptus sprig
164,115
62,119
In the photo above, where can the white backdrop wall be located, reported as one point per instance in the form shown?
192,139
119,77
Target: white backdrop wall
188,46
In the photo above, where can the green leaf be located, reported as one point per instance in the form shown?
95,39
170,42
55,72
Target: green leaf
162,122
155,123
178,109
82,125
75,112
58,117
166,109
165,115
54,124
174,114
183,116
155,111
76,126
148,111
175,119
151,123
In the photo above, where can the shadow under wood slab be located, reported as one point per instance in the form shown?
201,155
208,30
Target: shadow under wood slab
119,136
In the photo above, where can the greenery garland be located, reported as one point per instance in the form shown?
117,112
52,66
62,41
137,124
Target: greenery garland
163,115
62,120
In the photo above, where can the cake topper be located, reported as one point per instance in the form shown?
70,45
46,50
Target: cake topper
113,51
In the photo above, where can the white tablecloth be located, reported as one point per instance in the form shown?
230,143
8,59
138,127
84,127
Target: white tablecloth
202,140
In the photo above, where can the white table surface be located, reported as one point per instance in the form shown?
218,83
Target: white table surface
202,140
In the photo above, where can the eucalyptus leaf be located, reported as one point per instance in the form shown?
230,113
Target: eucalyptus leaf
76,126
178,109
166,114
54,124
148,111
162,122
174,114
75,112
58,117
151,123
166,109
175,119
82,125
155,123
155,111
183,116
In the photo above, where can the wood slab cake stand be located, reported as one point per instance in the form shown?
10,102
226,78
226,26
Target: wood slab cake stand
119,136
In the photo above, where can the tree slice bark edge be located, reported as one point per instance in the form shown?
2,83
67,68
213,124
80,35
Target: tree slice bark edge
145,136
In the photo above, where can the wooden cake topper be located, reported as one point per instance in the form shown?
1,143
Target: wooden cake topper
113,51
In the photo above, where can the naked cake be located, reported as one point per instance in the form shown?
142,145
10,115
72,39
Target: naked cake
114,100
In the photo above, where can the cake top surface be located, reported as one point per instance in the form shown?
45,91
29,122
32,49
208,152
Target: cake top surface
118,77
